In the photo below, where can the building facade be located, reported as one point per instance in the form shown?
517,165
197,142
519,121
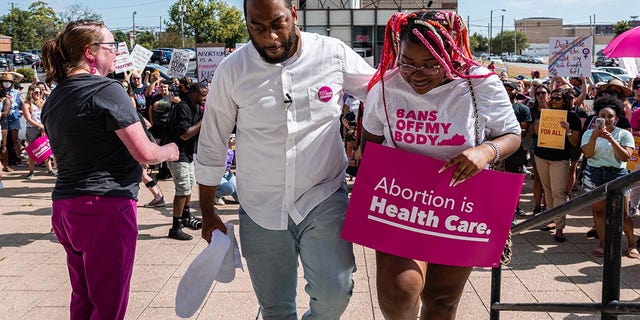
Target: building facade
359,23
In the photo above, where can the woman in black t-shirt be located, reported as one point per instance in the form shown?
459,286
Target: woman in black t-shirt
99,143
553,164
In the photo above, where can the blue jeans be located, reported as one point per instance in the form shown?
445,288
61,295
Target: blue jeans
593,177
327,261
227,186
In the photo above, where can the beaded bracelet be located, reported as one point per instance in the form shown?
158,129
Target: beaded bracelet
495,148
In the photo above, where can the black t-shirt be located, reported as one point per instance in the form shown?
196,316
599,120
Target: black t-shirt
141,100
561,154
81,116
522,112
160,113
182,117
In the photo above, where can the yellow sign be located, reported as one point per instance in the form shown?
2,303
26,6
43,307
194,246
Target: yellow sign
550,133
634,161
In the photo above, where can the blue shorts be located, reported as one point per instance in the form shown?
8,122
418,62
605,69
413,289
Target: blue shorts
593,177
15,124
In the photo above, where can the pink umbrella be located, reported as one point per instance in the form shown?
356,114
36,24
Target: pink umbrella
626,44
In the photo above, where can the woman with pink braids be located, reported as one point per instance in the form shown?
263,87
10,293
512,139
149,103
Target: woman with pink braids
427,75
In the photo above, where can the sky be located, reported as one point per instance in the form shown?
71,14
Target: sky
118,14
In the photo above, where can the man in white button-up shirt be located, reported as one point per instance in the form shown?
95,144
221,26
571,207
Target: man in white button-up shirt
282,90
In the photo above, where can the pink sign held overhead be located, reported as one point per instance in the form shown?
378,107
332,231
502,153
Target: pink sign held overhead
409,210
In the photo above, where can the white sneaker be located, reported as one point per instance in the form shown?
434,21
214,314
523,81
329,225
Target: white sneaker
219,201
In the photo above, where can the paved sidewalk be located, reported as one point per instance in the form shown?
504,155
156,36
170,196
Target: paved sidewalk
34,281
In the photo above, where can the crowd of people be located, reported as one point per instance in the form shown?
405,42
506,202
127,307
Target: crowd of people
557,173
297,109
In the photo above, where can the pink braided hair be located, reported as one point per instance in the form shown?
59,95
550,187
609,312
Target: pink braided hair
443,28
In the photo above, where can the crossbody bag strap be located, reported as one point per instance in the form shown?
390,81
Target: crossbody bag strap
476,125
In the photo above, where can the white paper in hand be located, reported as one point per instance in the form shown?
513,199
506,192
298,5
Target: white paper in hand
231,260
199,277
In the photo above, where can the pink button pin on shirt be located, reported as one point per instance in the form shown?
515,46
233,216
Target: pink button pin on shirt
325,93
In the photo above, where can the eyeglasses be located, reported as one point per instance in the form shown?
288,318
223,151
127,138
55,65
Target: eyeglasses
37,92
112,49
425,70
541,93
555,98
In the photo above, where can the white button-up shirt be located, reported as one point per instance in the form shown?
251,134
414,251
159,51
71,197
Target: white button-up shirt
289,152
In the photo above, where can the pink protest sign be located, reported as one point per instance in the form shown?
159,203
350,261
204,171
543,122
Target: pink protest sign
402,205
39,150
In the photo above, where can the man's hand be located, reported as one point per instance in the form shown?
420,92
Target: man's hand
210,218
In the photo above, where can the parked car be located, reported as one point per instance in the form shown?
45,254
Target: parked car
602,76
602,61
30,58
160,56
537,60
192,53
618,72
35,51
16,58
496,59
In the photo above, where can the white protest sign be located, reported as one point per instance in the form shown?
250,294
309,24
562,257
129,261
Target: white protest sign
140,56
570,56
123,59
208,56
179,63
629,64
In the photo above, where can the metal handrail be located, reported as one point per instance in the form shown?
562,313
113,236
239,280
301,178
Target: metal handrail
610,307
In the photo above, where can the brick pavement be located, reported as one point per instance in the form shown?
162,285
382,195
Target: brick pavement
34,284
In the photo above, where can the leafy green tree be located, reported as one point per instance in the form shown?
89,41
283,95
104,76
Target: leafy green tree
121,36
506,39
30,28
478,43
45,23
16,24
209,21
146,39
620,27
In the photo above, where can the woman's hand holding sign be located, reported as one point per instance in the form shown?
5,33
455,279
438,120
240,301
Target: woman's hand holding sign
473,160
470,162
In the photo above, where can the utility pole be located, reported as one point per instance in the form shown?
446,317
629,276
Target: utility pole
502,35
133,33
182,8
515,38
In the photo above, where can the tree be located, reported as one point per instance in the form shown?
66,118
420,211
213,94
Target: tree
506,39
120,36
478,43
45,23
77,11
620,27
30,28
209,21
146,39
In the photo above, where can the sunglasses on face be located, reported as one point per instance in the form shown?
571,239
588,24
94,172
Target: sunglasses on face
556,98
425,70
636,87
541,93
36,92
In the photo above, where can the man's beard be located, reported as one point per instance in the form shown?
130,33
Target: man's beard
291,41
